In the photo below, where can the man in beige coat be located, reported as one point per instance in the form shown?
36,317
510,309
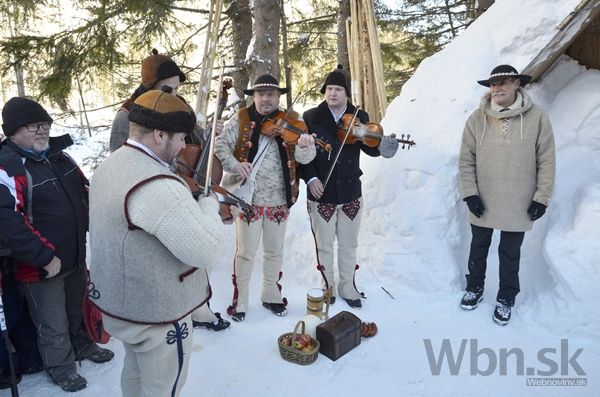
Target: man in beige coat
506,168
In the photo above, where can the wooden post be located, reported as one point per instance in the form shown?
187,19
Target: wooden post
210,49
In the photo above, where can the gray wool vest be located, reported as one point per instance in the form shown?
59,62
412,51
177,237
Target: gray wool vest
136,277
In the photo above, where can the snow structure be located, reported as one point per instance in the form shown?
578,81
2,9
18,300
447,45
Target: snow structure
414,243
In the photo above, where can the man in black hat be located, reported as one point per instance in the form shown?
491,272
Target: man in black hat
44,217
267,167
506,169
151,243
335,209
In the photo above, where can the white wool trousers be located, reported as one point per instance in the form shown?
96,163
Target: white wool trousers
328,222
204,314
156,356
272,231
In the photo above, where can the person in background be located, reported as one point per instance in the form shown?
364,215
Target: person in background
506,169
44,218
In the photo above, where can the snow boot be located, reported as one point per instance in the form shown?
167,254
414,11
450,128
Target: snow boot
70,383
502,313
471,299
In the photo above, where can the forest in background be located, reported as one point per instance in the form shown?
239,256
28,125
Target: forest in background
83,55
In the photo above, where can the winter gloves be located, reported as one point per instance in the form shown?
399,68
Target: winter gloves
388,146
536,210
475,205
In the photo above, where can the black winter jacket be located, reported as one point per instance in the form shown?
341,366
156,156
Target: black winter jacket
58,203
344,184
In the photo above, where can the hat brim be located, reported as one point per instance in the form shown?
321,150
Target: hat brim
250,92
522,77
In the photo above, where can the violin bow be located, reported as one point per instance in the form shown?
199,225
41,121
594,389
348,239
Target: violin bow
337,155
211,146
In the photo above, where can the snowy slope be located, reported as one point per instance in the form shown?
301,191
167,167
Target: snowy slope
414,242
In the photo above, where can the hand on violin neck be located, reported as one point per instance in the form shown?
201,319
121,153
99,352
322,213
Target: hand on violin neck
388,146
306,140
219,127
244,169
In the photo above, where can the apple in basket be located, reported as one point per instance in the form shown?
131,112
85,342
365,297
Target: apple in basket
303,342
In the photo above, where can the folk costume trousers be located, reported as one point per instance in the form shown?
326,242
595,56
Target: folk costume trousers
270,223
55,306
327,222
204,314
156,356
509,255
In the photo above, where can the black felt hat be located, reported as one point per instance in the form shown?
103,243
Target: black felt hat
337,77
502,72
263,83
20,111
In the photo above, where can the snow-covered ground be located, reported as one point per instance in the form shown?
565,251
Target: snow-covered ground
414,243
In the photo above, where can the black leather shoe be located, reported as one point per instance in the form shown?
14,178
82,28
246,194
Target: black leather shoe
354,303
277,309
218,325
238,317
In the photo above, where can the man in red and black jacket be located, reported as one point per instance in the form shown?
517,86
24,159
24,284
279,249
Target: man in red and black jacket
44,217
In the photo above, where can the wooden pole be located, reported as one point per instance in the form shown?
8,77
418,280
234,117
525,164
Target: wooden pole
210,48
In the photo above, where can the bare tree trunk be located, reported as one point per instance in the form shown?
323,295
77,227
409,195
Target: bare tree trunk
483,5
241,23
18,67
342,39
452,30
286,62
264,57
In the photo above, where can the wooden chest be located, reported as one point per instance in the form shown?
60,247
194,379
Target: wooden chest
339,335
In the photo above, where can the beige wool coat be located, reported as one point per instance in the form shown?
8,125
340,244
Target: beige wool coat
507,158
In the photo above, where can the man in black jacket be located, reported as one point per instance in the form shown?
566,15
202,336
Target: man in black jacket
335,205
44,217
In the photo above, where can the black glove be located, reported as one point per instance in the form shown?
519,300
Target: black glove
536,210
475,205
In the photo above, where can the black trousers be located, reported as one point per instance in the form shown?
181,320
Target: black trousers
509,253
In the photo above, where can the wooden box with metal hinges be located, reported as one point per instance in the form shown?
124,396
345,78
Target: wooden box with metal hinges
339,335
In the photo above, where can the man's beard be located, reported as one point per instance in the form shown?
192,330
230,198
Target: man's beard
40,145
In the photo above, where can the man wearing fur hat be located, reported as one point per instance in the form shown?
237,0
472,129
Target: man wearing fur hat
44,218
151,243
335,210
506,169
267,165
158,70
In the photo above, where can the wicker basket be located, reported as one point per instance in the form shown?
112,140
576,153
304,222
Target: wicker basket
291,354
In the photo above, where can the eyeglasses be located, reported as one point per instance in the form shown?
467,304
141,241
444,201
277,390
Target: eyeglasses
36,126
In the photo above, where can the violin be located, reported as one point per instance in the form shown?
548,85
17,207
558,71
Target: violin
192,161
370,133
289,127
